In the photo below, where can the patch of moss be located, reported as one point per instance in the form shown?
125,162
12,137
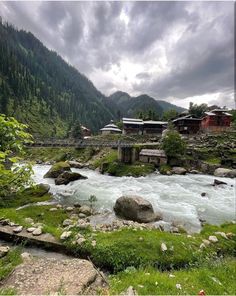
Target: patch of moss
164,168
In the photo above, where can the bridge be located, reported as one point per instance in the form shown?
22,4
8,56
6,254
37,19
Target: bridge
87,143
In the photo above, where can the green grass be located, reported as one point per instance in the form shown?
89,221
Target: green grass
41,214
9,262
56,153
213,160
29,195
118,250
217,278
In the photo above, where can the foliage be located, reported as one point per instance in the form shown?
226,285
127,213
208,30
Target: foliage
169,114
76,132
12,139
173,144
197,110
215,278
9,262
148,115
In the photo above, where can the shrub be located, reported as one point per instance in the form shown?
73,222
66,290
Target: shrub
173,144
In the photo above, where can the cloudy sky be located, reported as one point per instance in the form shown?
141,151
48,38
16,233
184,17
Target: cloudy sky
175,51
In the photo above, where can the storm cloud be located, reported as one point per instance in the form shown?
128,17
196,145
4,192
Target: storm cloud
174,51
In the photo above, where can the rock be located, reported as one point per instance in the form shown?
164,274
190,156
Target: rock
29,220
70,209
80,240
202,246
74,216
203,194
43,189
93,243
57,169
31,229
213,239
53,209
206,242
86,210
82,216
218,182
37,190
129,292
4,250
59,206
163,247
67,177
194,172
179,170
223,234
222,172
75,164
5,222
18,229
67,222
65,235
37,231
77,205
26,256
134,208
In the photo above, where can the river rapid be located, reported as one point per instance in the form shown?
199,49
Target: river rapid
178,198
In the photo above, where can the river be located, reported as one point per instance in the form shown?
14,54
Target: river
178,198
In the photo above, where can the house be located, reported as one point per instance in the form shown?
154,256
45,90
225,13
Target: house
157,157
216,120
187,124
132,126
110,128
154,127
86,132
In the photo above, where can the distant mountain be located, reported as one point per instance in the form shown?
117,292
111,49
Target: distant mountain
130,106
39,88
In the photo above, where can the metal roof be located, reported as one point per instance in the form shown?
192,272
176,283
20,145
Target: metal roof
111,129
186,117
132,119
152,152
155,122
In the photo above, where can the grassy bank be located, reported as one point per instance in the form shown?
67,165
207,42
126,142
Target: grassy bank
215,278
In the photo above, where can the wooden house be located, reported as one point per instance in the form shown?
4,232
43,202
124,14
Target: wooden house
132,126
157,157
217,120
187,124
139,127
154,127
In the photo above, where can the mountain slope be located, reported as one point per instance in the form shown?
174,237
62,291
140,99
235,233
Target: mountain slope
38,87
130,106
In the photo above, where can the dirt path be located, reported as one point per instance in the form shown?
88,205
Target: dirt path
44,276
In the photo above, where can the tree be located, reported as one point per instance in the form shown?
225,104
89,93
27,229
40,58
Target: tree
13,137
197,110
169,114
173,144
76,132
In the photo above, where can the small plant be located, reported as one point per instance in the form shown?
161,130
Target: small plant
92,200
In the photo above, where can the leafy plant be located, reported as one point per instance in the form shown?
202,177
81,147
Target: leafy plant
173,144
92,200
13,137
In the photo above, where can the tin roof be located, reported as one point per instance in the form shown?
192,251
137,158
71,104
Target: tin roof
152,152
190,117
155,122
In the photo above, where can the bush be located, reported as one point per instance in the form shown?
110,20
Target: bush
173,144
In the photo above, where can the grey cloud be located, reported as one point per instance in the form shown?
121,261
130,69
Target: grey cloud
91,35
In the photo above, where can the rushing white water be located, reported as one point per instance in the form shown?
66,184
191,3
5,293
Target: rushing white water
178,198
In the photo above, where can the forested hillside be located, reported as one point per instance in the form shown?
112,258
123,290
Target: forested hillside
132,106
38,87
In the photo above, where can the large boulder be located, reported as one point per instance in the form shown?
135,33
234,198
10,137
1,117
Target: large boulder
37,190
135,208
67,177
57,169
179,170
222,172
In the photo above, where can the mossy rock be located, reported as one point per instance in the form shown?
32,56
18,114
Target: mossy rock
57,169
